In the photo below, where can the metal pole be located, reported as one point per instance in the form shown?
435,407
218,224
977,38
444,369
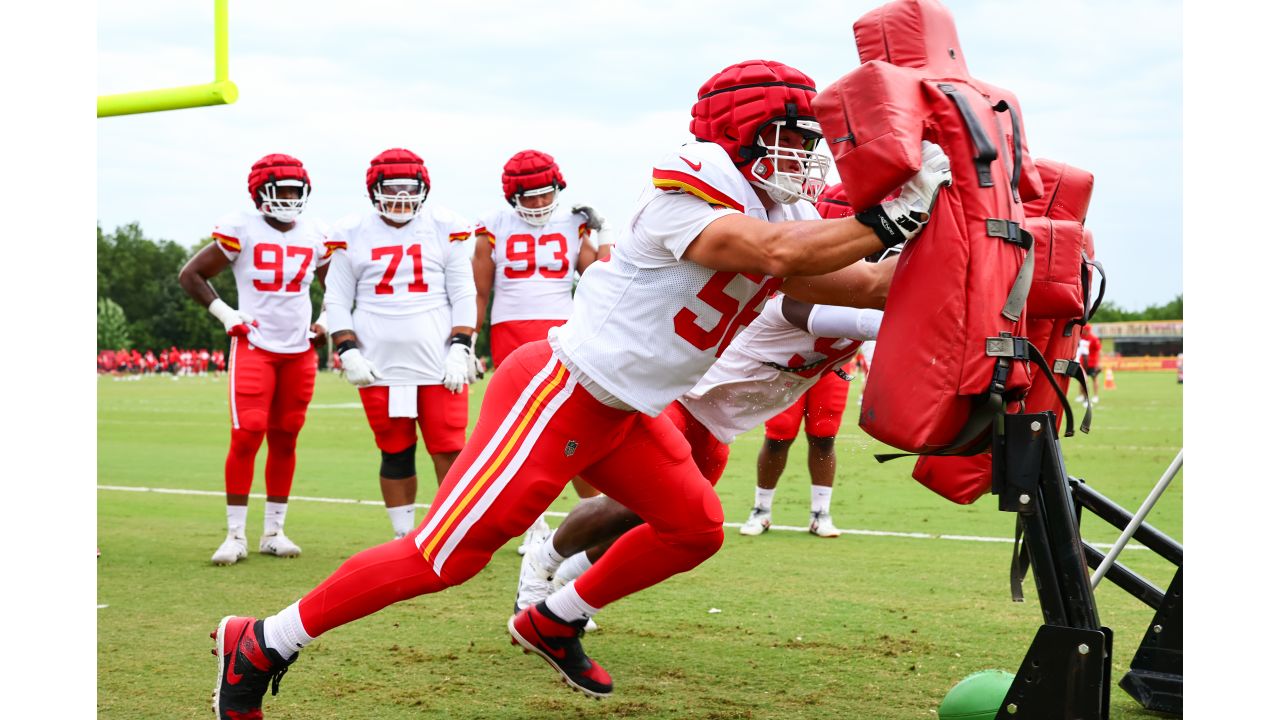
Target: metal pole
1137,520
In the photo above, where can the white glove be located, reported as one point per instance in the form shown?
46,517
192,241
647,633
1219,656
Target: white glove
902,218
458,368
357,370
236,323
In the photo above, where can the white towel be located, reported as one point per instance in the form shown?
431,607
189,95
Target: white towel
402,401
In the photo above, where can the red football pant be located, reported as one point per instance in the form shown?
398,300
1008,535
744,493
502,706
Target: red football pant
442,417
537,429
709,454
269,394
821,407
506,337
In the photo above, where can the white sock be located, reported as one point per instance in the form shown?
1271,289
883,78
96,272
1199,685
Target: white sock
571,568
764,499
283,632
401,519
819,499
546,555
237,516
273,517
569,606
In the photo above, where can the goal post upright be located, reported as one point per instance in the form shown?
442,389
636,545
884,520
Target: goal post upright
219,92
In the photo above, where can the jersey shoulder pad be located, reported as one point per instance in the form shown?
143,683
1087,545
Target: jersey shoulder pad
452,225
705,171
230,230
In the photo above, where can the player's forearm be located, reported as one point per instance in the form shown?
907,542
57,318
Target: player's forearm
343,336
816,247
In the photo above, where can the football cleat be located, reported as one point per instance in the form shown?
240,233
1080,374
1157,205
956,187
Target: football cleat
232,550
246,668
820,524
536,581
538,630
537,534
278,544
757,523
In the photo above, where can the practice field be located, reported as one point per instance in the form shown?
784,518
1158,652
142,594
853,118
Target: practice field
873,626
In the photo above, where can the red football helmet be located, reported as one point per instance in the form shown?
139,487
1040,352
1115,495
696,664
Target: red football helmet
738,107
530,173
832,204
398,184
270,174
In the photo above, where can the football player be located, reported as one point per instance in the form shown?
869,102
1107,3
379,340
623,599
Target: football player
406,269
790,349
821,407
275,254
528,255
718,229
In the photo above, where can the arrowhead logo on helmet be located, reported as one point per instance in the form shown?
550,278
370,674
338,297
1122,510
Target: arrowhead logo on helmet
268,179
532,175
746,108
398,183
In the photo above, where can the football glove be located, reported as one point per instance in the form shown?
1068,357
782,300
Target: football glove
458,367
236,323
356,368
902,218
594,220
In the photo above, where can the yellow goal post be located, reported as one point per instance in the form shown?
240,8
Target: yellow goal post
219,92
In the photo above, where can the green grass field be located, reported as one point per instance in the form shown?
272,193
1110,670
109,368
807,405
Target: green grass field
867,626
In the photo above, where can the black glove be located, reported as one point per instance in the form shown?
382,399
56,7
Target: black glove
594,220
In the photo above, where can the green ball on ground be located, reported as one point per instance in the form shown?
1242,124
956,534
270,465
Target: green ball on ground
976,697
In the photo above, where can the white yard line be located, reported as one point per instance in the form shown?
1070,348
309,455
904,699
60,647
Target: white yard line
553,513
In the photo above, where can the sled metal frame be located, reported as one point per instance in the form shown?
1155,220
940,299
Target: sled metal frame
1066,672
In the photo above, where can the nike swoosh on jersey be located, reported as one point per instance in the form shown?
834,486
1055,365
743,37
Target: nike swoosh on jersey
690,164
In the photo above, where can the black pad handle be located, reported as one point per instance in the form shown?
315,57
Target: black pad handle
986,150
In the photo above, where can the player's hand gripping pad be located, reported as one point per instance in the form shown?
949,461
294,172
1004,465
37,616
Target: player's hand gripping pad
1056,308
955,284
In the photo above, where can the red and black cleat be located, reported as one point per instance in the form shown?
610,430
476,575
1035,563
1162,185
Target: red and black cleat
538,630
246,667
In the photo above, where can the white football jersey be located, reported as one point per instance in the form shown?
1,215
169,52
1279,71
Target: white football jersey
410,286
534,265
748,384
647,324
273,272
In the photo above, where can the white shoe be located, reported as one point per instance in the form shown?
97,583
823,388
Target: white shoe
591,625
535,582
758,522
1094,399
820,524
278,544
537,534
232,550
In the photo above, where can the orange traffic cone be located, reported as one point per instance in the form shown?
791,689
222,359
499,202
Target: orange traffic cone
1109,380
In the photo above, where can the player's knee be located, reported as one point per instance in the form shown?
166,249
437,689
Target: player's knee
778,446
254,421
282,440
698,545
399,465
290,422
246,442
825,444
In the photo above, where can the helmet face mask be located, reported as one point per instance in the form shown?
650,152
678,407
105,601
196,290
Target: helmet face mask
287,206
399,199
537,214
789,170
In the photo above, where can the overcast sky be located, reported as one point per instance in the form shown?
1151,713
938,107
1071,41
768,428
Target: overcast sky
606,89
